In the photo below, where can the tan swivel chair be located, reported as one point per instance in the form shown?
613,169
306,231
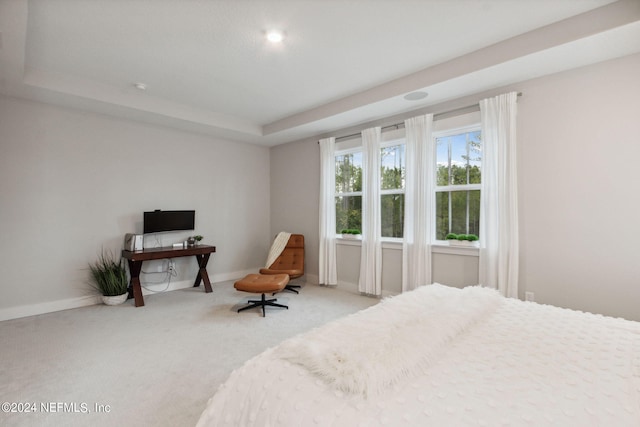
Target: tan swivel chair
290,261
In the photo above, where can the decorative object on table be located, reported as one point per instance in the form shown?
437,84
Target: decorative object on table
110,278
461,239
197,239
191,241
349,233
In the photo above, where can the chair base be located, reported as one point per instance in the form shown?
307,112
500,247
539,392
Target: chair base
291,288
262,303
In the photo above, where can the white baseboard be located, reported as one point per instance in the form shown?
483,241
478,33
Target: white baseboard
66,304
353,288
183,284
48,307
312,279
234,275
148,289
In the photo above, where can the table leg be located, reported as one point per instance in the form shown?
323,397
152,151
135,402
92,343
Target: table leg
202,273
135,290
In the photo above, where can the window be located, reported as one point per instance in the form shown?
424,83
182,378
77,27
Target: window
392,176
458,174
458,182
349,190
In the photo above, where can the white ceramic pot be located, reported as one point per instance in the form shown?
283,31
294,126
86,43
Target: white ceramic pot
116,300
352,236
454,242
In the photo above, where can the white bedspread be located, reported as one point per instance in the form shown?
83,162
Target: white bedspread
369,351
523,365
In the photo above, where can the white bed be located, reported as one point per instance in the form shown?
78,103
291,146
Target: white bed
443,356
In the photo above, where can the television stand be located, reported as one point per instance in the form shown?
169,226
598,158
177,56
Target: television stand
136,258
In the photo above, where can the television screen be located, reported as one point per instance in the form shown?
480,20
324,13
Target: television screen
159,221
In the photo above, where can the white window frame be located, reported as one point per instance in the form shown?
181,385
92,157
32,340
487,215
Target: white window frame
439,246
337,153
458,187
386,144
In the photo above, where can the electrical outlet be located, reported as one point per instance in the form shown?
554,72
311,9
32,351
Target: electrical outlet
172,266
529,296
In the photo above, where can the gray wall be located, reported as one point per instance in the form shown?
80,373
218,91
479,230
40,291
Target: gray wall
578,134
579,188
72,183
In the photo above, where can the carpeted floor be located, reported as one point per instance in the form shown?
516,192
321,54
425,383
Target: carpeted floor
149,366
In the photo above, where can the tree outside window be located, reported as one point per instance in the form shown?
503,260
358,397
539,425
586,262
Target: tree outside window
349,191
392,180
459,174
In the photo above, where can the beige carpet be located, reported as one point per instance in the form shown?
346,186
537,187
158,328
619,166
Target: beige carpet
149,366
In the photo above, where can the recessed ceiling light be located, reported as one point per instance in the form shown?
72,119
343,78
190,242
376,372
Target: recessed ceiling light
275,36
140,86
416,96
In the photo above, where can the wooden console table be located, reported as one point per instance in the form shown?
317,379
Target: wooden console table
135,259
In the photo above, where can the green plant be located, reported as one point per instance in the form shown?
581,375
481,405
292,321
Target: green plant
451,236
197,238
350,231
469,237
109,276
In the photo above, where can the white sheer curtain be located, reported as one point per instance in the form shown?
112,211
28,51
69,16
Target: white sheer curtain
419,198
499,205
370,281
327,257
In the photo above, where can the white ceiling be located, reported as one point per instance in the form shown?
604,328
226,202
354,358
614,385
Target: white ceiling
208,68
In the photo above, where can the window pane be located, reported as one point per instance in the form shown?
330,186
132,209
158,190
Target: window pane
459,159
475,157
349,173
392,215
392,167
442,215
457,212
348,213
442,160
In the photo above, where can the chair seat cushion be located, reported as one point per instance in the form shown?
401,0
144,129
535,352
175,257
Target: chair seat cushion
292,273
261,283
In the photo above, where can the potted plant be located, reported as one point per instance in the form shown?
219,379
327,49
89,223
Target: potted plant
350,233
110,278
461,239
197,239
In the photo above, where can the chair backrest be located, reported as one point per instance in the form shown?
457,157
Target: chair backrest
292,256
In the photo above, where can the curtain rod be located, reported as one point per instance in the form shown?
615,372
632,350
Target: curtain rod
401,124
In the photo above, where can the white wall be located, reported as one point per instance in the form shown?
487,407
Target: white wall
295,177
578,135
74,182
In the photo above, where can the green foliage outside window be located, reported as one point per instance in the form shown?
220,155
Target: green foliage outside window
349,191
349,173
392,177
465,213
459,165
348,213
392,215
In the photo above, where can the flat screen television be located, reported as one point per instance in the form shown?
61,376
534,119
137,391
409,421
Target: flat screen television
159,221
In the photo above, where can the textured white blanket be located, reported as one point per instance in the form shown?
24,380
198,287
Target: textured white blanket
277,247
369,351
